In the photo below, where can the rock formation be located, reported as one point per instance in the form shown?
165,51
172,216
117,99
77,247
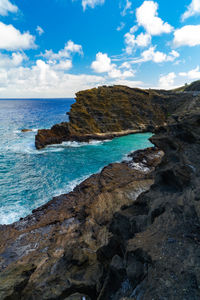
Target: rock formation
107,112
67,245
130,232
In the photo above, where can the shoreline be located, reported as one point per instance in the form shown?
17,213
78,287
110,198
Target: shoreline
125,224
125,160
128,232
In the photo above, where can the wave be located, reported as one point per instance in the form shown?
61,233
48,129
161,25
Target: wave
14,212
20,130
70,186
75,144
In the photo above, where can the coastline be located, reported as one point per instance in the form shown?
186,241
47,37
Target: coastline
81,217
128,232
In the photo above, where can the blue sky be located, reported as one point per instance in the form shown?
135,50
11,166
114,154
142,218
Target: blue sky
54,48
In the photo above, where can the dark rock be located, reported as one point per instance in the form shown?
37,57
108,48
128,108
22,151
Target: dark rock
26,130
130,232
65,248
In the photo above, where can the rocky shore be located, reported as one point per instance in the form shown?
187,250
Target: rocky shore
67,245
130,232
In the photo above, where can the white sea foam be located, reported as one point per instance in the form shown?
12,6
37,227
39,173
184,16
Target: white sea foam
70,186
12,213
26,145
75,144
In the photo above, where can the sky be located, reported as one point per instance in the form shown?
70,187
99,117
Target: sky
55,48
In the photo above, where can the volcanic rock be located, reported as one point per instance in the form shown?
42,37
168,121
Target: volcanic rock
108,112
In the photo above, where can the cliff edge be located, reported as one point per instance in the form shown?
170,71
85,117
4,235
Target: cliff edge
107,112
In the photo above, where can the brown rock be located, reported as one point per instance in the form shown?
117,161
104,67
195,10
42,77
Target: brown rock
108,112
52,254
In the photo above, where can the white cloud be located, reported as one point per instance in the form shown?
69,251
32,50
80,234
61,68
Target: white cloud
193,9
121,26
13,39
142,40
62,60
147,16
39,30
126,8
167,81
192,74
43,80
68,50
91,3
63,65
103,64
133,29
187,36
125,65
14,60
156,56
6,6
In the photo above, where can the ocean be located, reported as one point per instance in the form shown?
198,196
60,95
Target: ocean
30,177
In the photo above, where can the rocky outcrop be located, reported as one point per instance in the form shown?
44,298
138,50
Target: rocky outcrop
194,86
26,130
130,232
65,248
107,112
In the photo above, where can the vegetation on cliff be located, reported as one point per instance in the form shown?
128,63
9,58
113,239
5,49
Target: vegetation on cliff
106,112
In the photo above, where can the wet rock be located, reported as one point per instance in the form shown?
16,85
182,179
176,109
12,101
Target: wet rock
26,130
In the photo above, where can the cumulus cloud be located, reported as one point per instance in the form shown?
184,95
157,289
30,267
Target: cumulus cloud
188,35
167,81
68,50
13,60
192,74
6,6
62,60
193,9
43,80
103,64
131,41
39,30
156,56
12,39
91,3
147,16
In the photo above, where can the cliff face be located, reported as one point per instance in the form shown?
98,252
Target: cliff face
106,112
129,232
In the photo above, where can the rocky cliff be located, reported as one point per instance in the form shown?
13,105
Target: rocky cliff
106,112
130,232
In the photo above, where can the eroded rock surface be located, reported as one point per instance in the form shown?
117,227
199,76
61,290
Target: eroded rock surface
107,112
65,249
129,232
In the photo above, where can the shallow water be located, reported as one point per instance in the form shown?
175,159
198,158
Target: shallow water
30,177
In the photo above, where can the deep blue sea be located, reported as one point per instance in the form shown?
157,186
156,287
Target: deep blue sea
30,177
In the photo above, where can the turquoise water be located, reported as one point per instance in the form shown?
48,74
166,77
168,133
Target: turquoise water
28,177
